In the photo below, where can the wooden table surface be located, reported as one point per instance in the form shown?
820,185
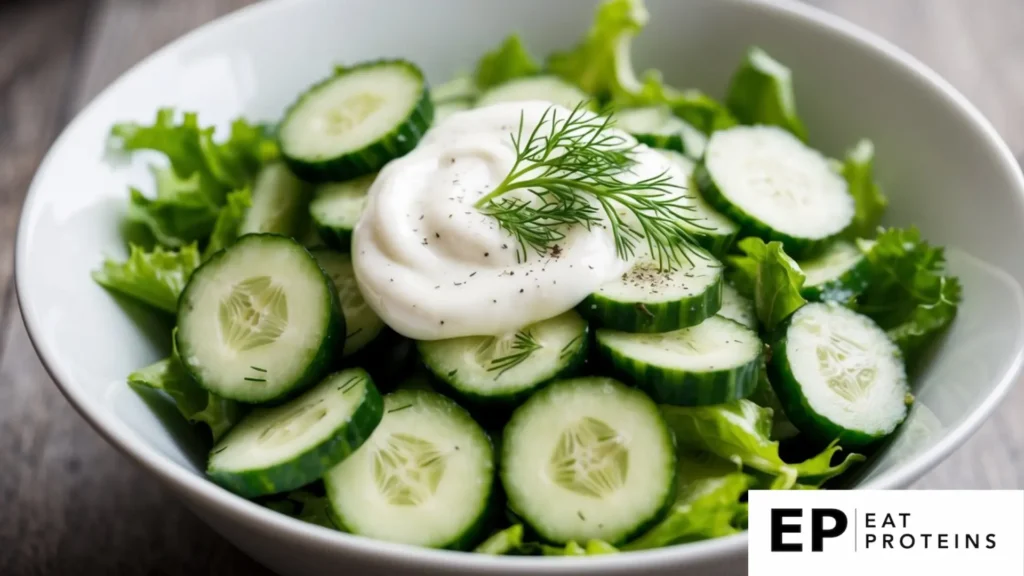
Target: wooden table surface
71,504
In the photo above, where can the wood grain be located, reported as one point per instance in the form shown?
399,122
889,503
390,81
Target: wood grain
70,504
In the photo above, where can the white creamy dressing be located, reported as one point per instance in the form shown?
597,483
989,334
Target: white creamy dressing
432,266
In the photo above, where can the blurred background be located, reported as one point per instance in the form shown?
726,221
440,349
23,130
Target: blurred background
70,504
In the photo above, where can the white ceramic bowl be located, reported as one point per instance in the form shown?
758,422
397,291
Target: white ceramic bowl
942,163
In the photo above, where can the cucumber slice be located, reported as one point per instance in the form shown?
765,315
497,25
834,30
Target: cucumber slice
279,203
336,209
657,127
737,307
361,322
258,322
356,121
646,299
504,370
838,376
714,362
588,458
278,449
775,187
425,477
715,232
839,273
548,88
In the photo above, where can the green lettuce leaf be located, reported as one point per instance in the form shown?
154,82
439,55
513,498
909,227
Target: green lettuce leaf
707,502
229,218
202,172
304,505
740,432
195,404
600,65
503,542
156,278
771,278
764,395
507,62
761,92
510,542
910,295
182,212
858,170
700,110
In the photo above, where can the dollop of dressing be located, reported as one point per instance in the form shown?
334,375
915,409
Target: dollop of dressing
432,266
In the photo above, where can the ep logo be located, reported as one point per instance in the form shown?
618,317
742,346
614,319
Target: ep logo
823,523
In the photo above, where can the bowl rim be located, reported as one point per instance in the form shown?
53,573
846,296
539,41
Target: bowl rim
204,493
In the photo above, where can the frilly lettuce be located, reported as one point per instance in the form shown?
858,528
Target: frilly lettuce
761,92
507,62
510,542
225,229
304,505
600,64
201,175
502,542
858,170
771,278
740,432
910,295
156,278
195,404
707,502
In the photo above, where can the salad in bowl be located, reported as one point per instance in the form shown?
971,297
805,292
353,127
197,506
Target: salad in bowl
550,307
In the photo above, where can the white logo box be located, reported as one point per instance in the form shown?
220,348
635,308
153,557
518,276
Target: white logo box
887,532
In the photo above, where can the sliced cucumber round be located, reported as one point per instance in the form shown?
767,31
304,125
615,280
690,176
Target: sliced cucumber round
336,209
775,187
277,449
362,324
657,127
588,458
258,322
839,273
356,121
279,201
504,370
647,299
714,362
547,88
737,307
425,477
838,376
713,231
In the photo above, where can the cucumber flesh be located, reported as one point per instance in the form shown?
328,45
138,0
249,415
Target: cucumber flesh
588,458
258,322
336,209
646,299
657,127
547,88
839,273
279,203
737,307
277,449
425,477
838,376
713,231
775,187
714,362
506,369
356,121
361,322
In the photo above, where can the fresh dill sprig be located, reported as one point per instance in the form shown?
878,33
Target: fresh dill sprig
574,167
523,345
